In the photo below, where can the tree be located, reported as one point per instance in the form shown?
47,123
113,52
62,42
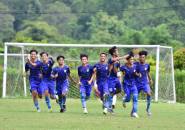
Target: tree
6,26
38,31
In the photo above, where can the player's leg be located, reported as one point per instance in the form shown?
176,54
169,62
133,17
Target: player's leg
105,98
64,94
118,90
52,91
34,90
83,98
44,85
111,87
126,97
135,102
147,90
59,93
35,100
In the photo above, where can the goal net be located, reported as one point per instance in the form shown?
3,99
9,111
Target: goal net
15,84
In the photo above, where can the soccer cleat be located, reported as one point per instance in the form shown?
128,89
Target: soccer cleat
64,106
135,115
85,110
149,113
105,111
61,110
110,111
38,110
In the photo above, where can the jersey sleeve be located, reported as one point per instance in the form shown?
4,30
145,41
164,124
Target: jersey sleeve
122,68
148,68
27,67
51,61
79,73
68,71
110,61
54,71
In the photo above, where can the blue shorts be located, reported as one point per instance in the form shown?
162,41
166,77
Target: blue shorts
113,85
103,88
85,89
35,85
130,90
62,88
48,85
143,87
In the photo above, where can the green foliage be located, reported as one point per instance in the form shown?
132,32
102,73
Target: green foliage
179,59
180,85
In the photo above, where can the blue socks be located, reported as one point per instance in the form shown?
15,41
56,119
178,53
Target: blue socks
36,104
48,102
148,103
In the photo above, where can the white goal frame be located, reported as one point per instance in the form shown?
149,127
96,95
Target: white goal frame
22,45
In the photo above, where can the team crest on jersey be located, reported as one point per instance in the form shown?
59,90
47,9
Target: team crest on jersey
87,70
145,68
65,71
106,68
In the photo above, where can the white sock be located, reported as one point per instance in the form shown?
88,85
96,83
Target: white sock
114,99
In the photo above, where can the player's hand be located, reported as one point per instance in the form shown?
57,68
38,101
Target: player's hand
79,83
56,75
89,82
40,76
151,82
140,75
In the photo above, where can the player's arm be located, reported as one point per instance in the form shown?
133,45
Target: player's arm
54,73
30,62
79,76
93,76
149,76
70,77
26,70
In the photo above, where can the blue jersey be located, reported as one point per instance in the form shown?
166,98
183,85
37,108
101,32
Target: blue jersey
63,73
144,69
46,69
129,77
102,72
35,71
115,65
85,72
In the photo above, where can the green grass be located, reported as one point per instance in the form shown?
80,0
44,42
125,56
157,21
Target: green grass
18,114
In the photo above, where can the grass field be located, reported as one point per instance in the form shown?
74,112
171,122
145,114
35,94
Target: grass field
18,114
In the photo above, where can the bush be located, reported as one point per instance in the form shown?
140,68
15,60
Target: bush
179,59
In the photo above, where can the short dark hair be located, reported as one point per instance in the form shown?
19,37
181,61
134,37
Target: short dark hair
103,53
83,55
58,57
143,53
43,53
112,50
130,55
33,51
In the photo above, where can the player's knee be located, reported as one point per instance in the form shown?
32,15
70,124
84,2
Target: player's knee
148,94
40,96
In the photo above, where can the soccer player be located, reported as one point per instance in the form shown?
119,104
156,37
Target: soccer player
129,84
33,65
48,83
85,72
114,84
101,72
145,80
62,73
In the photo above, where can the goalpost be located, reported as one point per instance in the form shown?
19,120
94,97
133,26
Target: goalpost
15,54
